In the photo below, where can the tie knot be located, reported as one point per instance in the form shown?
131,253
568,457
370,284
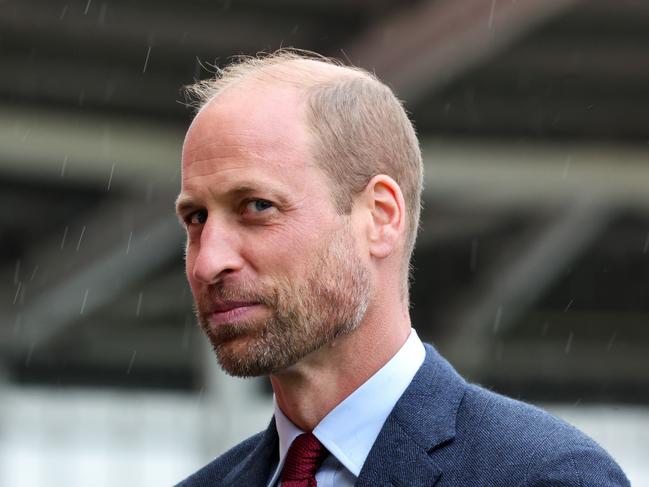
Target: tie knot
304,457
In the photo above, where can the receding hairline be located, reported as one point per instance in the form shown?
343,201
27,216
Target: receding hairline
299,72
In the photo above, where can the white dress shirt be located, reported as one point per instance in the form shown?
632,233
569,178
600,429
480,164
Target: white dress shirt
350,429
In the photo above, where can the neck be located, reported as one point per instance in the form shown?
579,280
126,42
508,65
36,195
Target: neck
307,391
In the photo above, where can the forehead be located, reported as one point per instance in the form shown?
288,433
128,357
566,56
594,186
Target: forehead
249,120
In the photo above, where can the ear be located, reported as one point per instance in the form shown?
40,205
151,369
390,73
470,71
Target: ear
387,213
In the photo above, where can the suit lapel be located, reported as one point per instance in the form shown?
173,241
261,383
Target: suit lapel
254,469
422,421
396,460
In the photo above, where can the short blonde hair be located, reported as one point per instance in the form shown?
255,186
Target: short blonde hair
361,128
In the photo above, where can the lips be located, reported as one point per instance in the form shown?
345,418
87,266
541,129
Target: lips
231,311
224,306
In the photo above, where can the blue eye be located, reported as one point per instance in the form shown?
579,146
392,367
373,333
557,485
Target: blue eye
257,206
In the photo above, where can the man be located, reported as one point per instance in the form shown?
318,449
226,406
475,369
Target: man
300,194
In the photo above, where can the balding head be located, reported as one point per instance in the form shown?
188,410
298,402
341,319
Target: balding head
359,127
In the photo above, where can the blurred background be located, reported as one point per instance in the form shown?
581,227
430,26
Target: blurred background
532,266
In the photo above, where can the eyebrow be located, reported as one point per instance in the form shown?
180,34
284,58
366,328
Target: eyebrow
185,203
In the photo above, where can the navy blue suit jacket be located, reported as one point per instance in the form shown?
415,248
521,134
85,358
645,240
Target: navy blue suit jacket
446,432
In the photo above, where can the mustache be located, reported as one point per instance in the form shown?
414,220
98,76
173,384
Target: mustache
235,292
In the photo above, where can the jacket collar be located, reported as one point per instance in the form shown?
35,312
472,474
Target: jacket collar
422,421
254,469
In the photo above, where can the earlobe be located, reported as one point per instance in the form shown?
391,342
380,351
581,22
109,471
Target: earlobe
387,215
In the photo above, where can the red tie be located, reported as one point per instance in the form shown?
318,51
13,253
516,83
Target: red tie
302,460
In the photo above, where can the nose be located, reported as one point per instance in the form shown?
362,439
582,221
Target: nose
216,256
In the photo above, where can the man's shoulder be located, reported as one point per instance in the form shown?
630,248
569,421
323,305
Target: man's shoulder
497,414
488,437
503,434
487,414
214,472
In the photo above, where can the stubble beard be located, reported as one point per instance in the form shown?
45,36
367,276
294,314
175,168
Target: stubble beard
306,314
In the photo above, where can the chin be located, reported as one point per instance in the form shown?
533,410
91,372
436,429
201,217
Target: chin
236,358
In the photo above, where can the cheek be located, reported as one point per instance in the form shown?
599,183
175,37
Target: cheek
189,265
280,250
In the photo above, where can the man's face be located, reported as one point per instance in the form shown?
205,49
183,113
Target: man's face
274,270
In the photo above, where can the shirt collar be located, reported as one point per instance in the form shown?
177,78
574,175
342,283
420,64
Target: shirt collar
350,429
